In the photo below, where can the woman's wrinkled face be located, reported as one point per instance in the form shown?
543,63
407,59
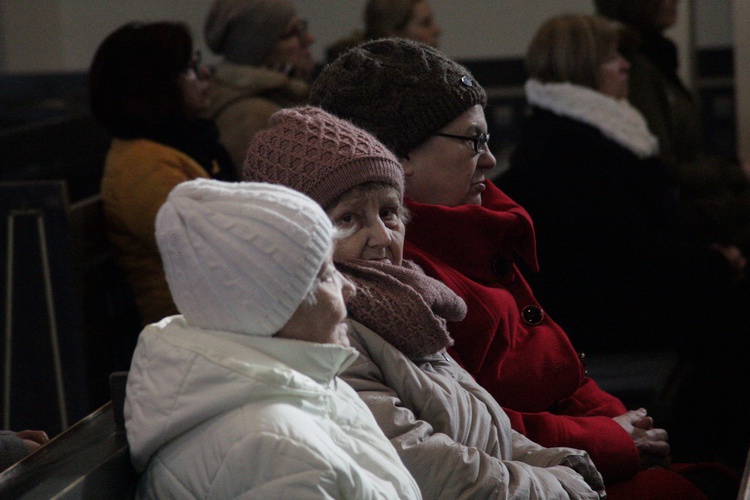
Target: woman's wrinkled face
371,220
322,320
422,26
291,54
612,76
447,171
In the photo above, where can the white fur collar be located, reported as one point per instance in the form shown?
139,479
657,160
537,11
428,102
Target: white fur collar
616,119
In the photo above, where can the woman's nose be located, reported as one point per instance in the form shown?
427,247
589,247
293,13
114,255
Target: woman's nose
378,235
204,72
486,160
308,39
348,290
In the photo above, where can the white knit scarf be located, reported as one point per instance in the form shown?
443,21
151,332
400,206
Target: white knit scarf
616,119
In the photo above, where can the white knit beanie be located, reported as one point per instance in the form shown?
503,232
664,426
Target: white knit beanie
240,257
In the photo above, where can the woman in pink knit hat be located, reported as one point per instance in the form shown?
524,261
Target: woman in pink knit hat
450,433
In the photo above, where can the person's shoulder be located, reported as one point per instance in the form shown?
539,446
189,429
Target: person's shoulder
141,149
147,157
364,340
247,80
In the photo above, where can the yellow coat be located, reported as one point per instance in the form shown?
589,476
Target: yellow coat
138,176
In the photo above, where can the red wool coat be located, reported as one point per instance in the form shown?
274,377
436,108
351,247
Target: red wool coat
514,350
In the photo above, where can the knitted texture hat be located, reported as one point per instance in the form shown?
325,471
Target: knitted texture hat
319,154
245,31
399,90
240,257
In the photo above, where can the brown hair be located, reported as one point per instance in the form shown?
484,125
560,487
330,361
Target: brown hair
134,78
570,48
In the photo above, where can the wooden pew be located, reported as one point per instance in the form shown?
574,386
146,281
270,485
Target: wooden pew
88,460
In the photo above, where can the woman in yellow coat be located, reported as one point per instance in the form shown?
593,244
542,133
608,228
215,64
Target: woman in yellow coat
147,89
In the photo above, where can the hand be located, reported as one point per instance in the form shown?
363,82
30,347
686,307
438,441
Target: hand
33,439
585,467
651,443
735,259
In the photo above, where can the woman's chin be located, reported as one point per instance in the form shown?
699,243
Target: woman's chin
340,336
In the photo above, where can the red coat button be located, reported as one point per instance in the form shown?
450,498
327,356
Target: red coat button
532,315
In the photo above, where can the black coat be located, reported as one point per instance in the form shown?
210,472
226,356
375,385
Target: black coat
615,270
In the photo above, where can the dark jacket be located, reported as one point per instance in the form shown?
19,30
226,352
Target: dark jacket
615,267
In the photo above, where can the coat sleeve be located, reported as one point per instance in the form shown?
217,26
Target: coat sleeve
257,466
590,400
284,468
445,468
610,447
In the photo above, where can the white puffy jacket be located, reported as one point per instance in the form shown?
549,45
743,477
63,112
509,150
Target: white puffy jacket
220,415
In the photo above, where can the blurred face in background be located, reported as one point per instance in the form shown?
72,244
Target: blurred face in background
195,85
291,55
421,26
612,76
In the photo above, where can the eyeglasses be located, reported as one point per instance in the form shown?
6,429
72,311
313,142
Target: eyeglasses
479,142
298,30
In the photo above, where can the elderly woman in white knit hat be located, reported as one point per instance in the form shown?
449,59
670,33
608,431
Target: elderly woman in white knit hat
266,64
451,434
239,395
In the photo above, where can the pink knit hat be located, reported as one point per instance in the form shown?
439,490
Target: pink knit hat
319,154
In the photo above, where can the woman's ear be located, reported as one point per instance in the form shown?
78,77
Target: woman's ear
407,166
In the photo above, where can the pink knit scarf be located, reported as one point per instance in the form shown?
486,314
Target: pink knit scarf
403,305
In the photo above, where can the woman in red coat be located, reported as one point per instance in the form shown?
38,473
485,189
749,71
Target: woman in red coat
464,231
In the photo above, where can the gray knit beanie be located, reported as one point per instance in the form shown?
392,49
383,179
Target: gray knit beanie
240,257
245,31
319,154
399,90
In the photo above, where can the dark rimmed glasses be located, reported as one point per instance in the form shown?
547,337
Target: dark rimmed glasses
479,142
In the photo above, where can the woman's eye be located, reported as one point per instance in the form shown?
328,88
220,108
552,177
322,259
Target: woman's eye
345,220
389,214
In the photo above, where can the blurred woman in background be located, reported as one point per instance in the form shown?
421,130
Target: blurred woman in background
715,188
147,89
266,64
411,19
